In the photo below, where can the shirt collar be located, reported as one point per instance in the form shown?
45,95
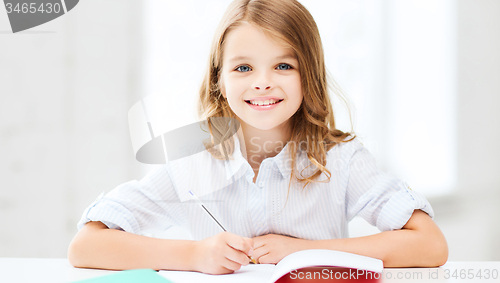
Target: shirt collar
241,165
200,172
236,165
283,162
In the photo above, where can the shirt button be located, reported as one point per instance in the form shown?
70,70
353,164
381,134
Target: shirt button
259,224
261,184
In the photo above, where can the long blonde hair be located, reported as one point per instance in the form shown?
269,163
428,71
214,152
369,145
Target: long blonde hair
313,125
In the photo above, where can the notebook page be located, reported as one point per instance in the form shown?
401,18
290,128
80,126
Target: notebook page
247,274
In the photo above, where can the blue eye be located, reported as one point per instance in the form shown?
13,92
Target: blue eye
284,66
243,68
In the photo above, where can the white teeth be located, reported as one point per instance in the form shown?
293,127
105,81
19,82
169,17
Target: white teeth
265,102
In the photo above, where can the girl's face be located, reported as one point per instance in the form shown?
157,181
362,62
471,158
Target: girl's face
260,78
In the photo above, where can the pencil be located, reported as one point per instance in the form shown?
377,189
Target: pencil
252,260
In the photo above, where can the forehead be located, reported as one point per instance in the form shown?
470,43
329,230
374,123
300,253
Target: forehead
250,42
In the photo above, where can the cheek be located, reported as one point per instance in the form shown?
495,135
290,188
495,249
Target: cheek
222,85
234,88
293,88
232,91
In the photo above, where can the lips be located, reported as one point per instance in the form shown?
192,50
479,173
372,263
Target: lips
264,107
267,102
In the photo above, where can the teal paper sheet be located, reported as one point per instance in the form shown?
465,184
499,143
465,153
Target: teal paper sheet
130,276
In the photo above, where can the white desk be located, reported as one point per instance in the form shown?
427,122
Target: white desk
58,270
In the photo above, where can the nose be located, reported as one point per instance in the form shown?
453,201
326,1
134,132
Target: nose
257,87
263,82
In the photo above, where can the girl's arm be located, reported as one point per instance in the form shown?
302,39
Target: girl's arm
96,246
420,243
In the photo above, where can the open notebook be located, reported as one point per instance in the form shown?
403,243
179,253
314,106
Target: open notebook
271,273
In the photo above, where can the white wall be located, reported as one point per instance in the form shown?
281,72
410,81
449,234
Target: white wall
65,90
469,218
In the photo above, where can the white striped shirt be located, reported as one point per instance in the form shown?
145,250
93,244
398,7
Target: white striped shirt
320,211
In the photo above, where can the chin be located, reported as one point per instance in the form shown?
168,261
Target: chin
264,125
264,128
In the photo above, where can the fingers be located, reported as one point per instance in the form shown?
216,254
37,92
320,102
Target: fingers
241,244
234,256
223,253
259,253
250,243
260,241
265,258
235,259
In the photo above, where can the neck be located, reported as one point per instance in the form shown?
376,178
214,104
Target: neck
261,144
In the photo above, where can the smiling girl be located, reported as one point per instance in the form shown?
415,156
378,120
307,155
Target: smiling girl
301,182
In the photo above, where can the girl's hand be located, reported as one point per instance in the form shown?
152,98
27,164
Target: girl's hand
272,248
222,253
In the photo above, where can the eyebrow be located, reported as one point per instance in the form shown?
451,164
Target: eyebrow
286,56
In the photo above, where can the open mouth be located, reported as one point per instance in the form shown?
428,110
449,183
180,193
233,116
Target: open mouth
263,103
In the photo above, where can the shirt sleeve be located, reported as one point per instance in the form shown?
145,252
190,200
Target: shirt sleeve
378,197
150,204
